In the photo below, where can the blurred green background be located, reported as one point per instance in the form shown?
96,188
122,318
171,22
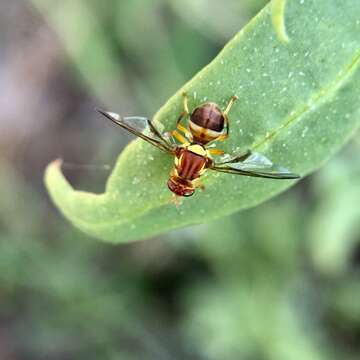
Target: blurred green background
280,281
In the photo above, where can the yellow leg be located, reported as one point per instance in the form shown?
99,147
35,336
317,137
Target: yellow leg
179,137
216,152
227,123
230,105
186,100
185,112
181,116
184,130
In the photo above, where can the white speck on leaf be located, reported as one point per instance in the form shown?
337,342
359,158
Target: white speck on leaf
304,131
135,180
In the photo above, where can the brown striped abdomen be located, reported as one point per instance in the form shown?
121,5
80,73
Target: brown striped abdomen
206,123
208,116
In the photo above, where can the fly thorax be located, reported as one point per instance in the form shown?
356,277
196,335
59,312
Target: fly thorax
197,149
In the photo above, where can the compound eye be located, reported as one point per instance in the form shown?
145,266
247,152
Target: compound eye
188,192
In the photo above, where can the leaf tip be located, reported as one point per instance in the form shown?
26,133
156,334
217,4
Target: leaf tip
55,181
51,169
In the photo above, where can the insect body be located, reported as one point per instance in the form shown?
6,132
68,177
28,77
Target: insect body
207,123
190,164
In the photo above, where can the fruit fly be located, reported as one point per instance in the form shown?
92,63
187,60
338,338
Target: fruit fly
189,145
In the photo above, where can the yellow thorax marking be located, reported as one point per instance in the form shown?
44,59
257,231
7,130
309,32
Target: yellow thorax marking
197,149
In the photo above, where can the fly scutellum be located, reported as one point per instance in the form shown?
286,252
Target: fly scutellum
207,123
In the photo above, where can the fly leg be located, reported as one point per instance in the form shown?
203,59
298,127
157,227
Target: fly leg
184,113
216,152
230,105
179,137
227,123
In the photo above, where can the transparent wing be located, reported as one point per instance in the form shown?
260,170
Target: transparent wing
141,127
254,164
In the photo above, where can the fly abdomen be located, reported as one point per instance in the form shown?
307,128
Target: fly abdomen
206,123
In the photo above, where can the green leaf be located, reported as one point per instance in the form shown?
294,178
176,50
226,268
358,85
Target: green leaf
298,104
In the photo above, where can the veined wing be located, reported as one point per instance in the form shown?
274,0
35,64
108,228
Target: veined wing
254,164
138,126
